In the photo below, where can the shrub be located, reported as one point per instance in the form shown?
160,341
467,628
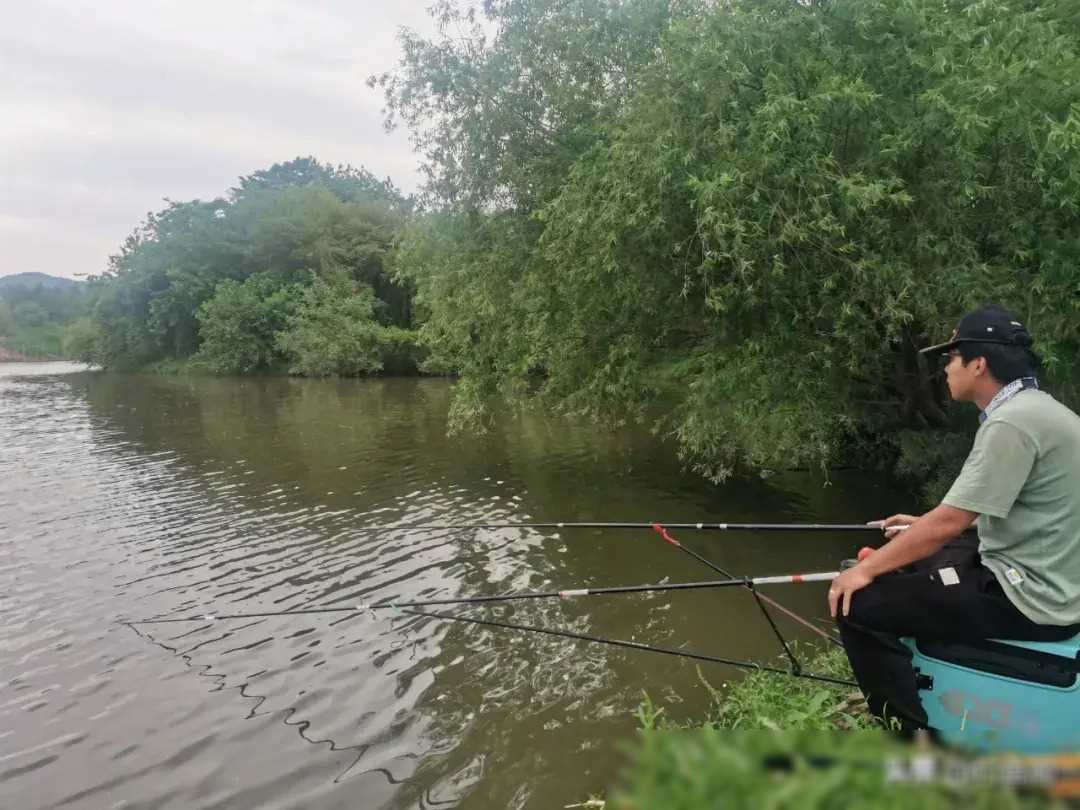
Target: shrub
335,331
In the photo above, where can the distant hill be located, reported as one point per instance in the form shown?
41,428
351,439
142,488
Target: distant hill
35,311
41,280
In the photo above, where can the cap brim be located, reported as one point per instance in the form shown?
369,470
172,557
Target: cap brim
940,347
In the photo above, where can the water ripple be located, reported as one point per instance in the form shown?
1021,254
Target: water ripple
128,497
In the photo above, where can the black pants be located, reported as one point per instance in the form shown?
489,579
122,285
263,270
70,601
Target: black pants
915,602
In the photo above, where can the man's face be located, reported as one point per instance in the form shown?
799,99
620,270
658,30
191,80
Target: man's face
961,378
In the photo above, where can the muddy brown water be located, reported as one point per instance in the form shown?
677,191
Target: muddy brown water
125,497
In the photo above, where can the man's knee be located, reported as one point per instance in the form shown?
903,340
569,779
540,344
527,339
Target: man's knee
871,608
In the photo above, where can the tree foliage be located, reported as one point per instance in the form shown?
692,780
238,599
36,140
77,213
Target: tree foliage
740,219
503,102
510,93
35,311
240,323
756,230
335,330
215,278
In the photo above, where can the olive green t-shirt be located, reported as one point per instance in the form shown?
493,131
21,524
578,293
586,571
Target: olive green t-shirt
1023,478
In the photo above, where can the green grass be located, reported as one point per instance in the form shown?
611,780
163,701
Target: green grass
777,742
764,700
712,767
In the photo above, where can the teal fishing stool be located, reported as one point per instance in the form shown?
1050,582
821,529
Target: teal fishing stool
1001,695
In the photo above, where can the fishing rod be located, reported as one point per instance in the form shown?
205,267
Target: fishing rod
751,583
662,531
633,645
873,526
515,596
795,672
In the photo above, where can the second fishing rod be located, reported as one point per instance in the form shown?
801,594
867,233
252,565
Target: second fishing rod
873,526
568,593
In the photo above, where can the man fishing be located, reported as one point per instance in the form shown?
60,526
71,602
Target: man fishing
1020,486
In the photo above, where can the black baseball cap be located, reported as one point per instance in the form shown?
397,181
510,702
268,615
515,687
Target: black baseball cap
989,324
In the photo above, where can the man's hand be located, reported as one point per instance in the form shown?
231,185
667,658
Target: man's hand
892,526
845,585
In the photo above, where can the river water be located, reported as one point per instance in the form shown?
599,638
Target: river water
125,497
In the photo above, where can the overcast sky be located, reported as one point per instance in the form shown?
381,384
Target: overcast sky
108,107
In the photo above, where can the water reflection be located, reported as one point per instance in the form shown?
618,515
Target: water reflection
129,496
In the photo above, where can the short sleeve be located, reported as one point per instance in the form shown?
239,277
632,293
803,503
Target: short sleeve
995,471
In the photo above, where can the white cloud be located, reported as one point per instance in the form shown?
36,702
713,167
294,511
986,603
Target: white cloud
115,106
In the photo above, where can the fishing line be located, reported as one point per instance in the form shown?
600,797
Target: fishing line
633,645
662,531
509,597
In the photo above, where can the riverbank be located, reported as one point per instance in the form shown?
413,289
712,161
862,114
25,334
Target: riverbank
773,701
191,367
9,356
817,770
12,356
779,742
763,700
33,344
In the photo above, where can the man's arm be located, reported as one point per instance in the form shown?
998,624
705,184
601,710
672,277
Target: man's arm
926,535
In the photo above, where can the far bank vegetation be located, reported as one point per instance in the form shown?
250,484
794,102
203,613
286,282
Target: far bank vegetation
736,220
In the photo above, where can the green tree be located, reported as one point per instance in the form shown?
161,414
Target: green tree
28,313
302,229
145,303
79,340
507,95
7,321
790,201
335,330
278,224
839,184
502,117
345,182
239,325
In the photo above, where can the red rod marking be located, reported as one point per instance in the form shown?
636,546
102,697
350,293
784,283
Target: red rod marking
663,533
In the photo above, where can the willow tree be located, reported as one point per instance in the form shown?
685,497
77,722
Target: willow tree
502,102
508,93
792,200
